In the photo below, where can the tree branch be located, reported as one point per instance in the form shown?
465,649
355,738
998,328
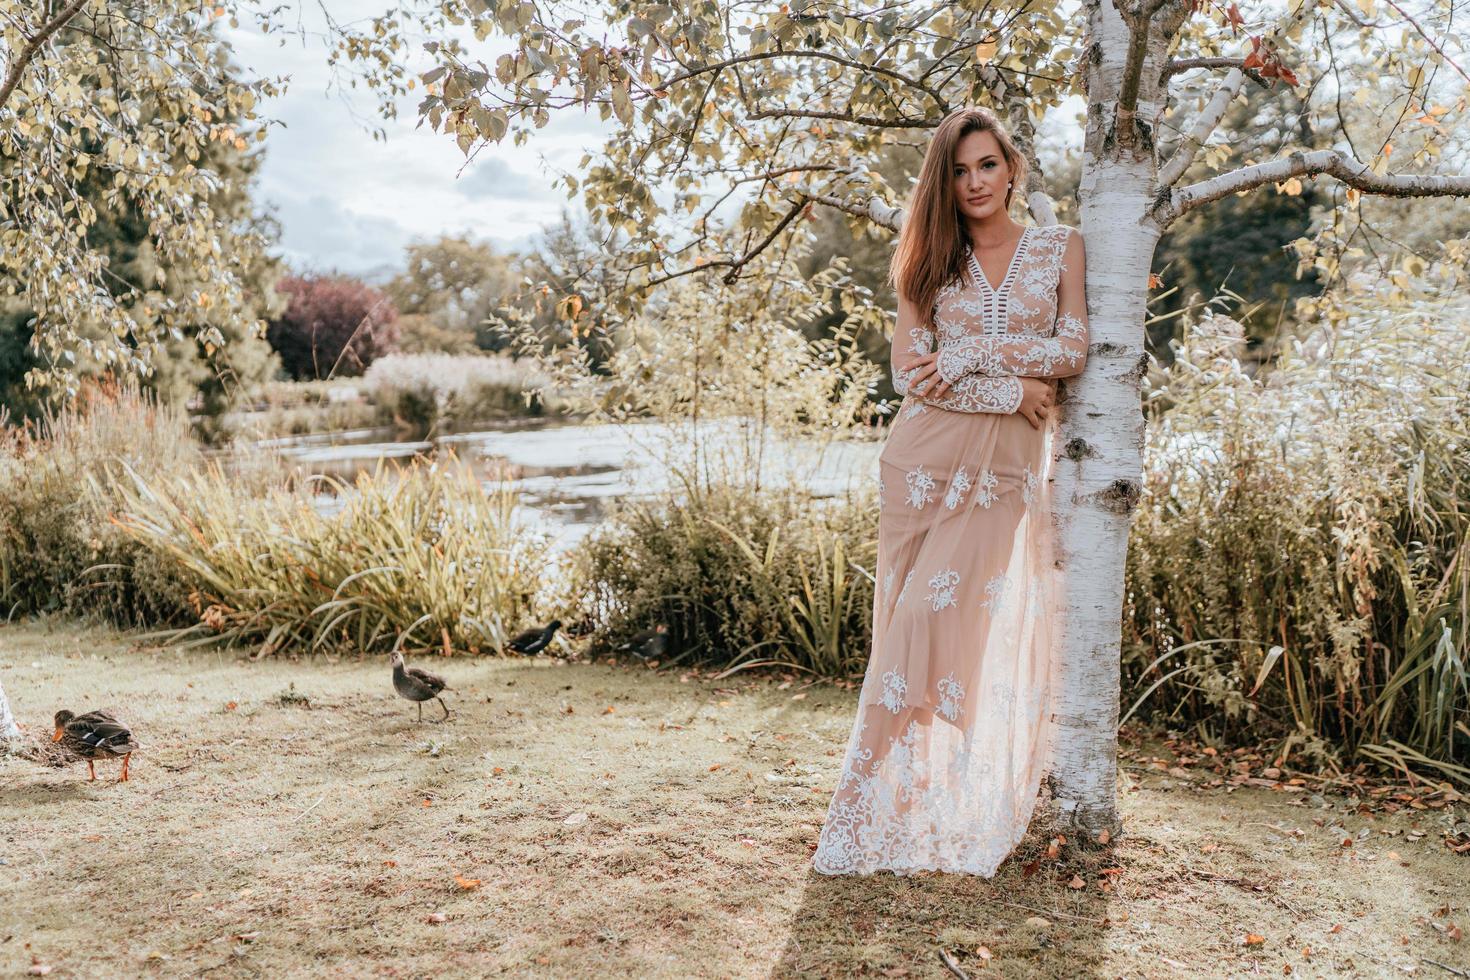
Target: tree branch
875,121
1137,21
1203,126
875,209
1303,163
821,55
736,264
1215,111
1180,65
22,60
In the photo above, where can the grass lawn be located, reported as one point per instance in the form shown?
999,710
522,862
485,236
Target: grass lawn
577,820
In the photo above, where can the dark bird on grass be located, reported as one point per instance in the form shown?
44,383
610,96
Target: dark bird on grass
417,684
649,644
95,735
534,640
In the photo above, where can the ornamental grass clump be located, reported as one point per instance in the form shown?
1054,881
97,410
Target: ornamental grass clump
59,552
1300,560
419,558
423,391
743,576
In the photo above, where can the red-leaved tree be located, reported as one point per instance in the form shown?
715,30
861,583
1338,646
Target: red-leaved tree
335,326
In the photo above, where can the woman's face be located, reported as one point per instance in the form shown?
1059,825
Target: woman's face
980,175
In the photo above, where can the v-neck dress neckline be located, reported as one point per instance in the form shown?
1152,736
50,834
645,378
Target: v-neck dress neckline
994,300
1010,273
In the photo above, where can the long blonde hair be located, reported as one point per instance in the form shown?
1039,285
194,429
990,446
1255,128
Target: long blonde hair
931,246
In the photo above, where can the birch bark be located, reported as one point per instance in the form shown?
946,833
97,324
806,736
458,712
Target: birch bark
9,730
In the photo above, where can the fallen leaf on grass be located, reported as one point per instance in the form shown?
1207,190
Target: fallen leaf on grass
1103,836
1076,882
608,710
496,771
1453,931
1336,927
983,953
428,802
799,697
38,970
246,937
576,819
468,884
390,864
231,706
714,767
1251,939
436,917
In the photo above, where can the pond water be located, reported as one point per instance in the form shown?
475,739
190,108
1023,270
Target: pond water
567,472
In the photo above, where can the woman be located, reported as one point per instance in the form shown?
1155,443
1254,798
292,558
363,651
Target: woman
950,740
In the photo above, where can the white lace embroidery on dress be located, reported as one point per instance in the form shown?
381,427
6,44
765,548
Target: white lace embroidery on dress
951,693
995,594
894,688
985,496
1029,484
957,487
888,581
920,486
944,584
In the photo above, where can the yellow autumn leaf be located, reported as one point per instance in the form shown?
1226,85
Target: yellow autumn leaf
985,50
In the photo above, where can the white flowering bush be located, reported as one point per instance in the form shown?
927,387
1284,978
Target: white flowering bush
425,390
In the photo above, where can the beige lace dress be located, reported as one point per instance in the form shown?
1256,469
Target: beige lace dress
949,744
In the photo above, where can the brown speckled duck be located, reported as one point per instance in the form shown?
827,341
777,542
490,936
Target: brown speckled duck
417,684
95,735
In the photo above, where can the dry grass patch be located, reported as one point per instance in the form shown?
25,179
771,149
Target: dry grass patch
540,833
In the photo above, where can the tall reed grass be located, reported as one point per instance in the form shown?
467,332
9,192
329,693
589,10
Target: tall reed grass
419,558
425,391
742,577
1300,563
58,550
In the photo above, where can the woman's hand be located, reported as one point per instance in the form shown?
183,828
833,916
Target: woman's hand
1037,397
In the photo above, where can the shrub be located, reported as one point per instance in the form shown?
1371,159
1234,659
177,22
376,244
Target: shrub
422,557
1300,561
423,391
59,551
741,575
333,326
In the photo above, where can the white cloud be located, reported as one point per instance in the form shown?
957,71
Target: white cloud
351,202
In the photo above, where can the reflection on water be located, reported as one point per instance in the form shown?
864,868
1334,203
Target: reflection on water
566,472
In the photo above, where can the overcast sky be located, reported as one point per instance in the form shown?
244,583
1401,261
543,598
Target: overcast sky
350,203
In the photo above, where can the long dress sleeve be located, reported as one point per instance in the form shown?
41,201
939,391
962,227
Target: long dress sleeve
1061,355
971,393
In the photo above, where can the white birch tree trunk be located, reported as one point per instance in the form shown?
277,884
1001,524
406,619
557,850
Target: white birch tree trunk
9,730
1097,464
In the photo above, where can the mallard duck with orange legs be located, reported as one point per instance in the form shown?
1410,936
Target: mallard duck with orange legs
95,735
